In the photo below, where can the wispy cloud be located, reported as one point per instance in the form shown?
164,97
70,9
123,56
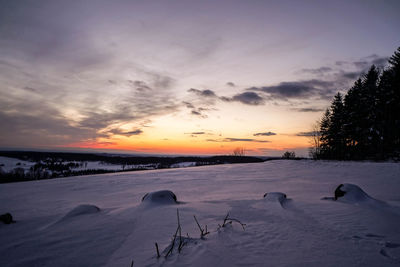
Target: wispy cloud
328,80
307,134
237,140
264,134
118,131
196,133
308,109
318,71
247,98
298,90
203,93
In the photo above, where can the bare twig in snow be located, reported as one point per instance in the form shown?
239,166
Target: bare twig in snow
228,220
178,231
158,252
203,232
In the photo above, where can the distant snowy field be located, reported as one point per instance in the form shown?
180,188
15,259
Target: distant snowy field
100,220
8,164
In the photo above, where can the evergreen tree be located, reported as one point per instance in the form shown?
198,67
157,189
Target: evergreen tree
351,127
368,111
394,104
366,124
384,121
336,129
325,138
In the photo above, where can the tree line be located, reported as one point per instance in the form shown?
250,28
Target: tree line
365,122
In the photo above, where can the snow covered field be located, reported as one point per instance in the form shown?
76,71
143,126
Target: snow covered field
100,220
8,164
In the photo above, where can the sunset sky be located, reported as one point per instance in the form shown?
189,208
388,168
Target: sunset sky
182,77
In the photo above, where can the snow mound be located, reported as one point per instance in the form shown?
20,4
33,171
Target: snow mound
275,197
81,210
160,197
351,193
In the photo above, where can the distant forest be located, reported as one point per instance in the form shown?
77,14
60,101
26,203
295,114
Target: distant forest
364,124
61,164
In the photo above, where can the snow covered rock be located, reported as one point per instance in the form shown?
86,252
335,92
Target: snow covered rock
160,197
275,197
354,194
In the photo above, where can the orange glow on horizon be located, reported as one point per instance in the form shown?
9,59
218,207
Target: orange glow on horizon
193,146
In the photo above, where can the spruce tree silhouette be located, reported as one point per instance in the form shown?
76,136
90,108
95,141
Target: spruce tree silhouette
365,124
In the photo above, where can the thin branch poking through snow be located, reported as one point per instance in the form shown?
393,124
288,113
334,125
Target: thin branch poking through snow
203,232
181,242
158,252
228,220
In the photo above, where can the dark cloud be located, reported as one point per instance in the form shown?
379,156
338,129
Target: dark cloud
247,98
196,133
140,85
135,132
118,131
204,93
264,134
361,64
318,71
231,84
341,63
308,109
194,112
352,70
301,89
188,104
335,79
307,134
380,62
364,64
351,75
237,140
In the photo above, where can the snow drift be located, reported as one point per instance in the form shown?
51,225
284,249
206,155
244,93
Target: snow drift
81,210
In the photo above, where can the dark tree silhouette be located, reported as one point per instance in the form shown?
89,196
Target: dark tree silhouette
365,124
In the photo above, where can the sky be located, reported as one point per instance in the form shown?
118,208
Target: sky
182,77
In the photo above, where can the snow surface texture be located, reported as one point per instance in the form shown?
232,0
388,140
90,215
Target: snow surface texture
100,220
